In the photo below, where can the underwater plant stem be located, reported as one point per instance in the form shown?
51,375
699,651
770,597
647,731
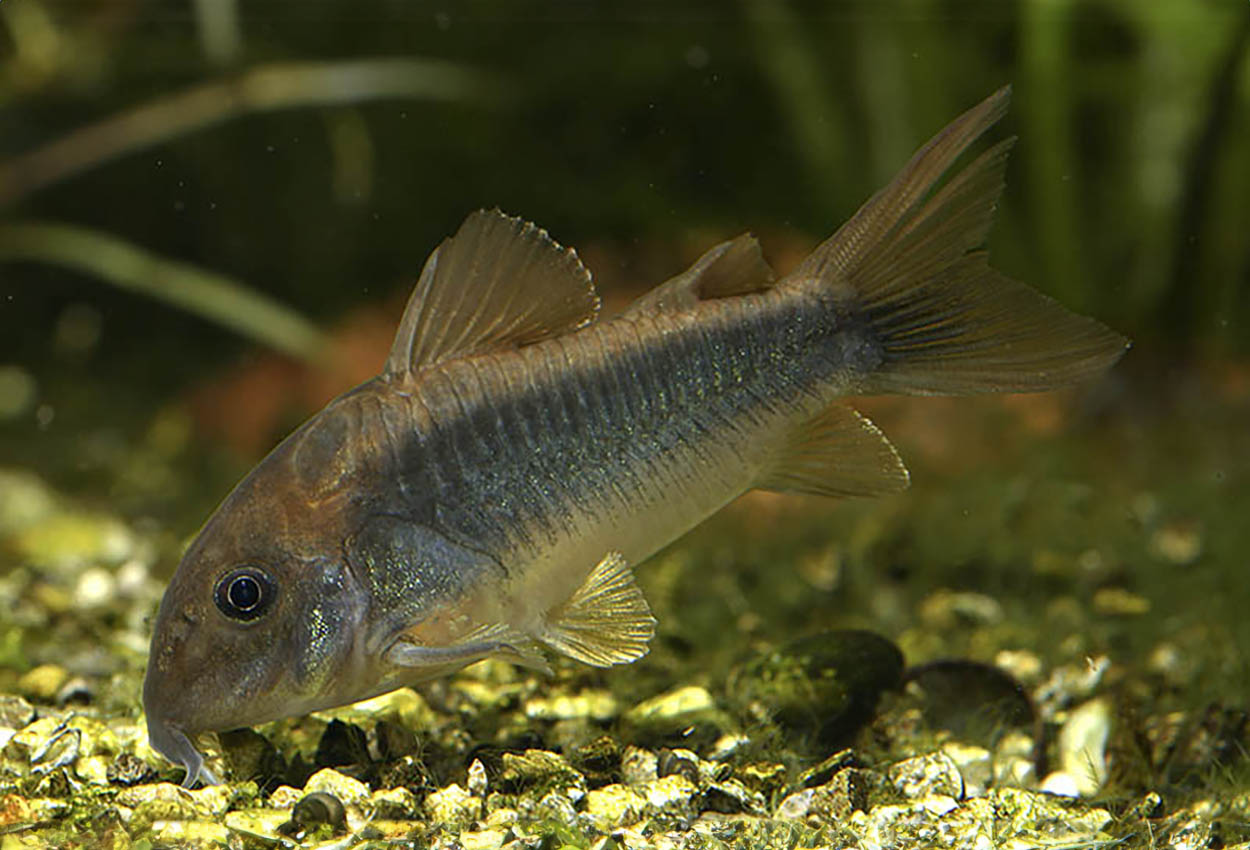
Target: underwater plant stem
217,24
206,294
1051,158
263,88
881,66
804,96
1181,302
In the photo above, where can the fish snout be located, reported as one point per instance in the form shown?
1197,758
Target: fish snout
166,696
173,744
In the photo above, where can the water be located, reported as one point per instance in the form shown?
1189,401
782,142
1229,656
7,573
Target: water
1089,542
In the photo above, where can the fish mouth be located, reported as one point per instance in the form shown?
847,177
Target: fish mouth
173,744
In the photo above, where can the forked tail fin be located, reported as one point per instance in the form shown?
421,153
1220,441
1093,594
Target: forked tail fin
945,321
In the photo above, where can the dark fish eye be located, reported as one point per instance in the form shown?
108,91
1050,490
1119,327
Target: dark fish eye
245,593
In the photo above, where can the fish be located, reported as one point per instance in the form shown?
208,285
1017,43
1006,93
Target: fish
490,492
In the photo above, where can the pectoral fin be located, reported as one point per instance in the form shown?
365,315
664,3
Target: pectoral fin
607,621
498,640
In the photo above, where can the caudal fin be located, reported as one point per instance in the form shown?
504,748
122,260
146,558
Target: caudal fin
947,323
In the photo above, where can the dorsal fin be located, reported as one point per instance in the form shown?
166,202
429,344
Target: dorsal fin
730,268
838,453
499,281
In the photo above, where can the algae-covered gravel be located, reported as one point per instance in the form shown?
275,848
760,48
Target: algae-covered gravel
1039,645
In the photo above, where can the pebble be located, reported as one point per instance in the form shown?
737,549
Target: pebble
453,805
639,766
66,543
926,776
945,609
765,777
614,806
797,805
191,833
96,587
76,690
24,500
910,825
485,839
844,793
556,806
542,769
673,795
975,765
403,706
127,769
395,804
284,797
1022,812
477,781
1082,747
352,792
1178,543
731,797
597,705
672,708
1024,666
727,745
1070,683
43,682
15,712
17,809
1118,602
265,825
1013,762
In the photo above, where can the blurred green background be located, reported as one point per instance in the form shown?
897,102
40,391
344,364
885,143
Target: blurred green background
212,212
202,153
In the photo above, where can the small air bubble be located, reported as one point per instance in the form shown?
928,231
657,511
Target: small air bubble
44,414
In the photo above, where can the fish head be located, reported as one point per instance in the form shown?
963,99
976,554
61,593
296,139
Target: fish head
260,621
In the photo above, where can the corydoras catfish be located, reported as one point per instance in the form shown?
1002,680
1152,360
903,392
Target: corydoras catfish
488,493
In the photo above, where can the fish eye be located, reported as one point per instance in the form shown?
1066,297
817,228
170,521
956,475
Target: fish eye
245,593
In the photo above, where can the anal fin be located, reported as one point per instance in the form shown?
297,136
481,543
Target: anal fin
607,621
838,453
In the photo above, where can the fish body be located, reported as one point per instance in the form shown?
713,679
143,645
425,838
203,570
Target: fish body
488,492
